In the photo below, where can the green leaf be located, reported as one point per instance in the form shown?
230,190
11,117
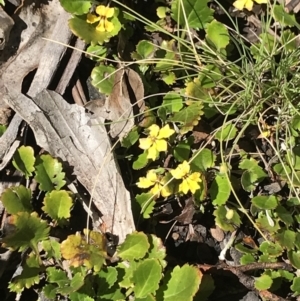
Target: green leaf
293,158
157,250
146,277
217,33
49,173
109,275
161,11
283,17
52,249
220,190
188,117
28,277
182,151
295,287
265,201
271,249
3,128
224,221
263,223
169,78
145,49
23,160
286,238
247,259
29,231
76,7
97,52
17,199
263,282
203,160
58,206
130,139
75,284
134,247
284,215
294,258
103,78
140,162
146,206
194,13
184,284
227,132
172,102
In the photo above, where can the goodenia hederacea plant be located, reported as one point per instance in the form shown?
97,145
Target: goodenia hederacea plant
248,4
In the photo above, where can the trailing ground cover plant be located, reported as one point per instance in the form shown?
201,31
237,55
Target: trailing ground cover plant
221,126
202,72
78,267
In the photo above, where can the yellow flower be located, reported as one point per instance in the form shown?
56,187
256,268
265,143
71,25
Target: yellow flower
189,180
104,12
241,4
158,183
155,142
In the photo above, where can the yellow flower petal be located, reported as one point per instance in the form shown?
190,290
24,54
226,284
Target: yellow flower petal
144,183
184,187
109,12
145,143
156,189
101,10
90,18
153,130
160,145
100,27
108,26
165,132
165,192
152,175
192,185
181,170
195,176
240,4
152,153
249,5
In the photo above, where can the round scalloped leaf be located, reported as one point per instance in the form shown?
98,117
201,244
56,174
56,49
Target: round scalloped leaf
146,277
249,180
182,151
76,7
58,204
263,282
49,173
286,238
226,132
29,231
17,199
203,160
140,162
88,32
295,287
284,18
194,12
184,283
169,78
247,259
74,284
79,252
29,275
265,201
145,49
172,102
220,190
157,249
132,137
103,78
134,247
294,258
188,117
221,214
284,215
97,52
217,33
263,223
52,249
270,248
23,160
146,206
